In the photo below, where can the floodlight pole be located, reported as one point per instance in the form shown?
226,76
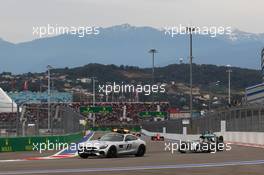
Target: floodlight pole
153,51
93,100
191,29
229,83
49,112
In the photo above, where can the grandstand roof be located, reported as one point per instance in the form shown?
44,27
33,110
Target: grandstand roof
6,103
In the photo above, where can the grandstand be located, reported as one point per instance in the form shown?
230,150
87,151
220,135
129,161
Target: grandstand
33,117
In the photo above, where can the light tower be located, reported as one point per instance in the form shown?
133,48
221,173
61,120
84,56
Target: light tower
94,117
190,30
49,67
262,64
229,83
153,51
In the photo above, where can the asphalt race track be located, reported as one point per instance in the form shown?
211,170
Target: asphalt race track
240,160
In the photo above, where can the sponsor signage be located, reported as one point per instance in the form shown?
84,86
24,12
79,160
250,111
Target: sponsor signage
95,109
153,114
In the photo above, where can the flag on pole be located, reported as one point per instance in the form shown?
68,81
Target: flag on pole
25,86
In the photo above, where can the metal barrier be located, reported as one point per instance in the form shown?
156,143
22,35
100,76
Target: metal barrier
253,139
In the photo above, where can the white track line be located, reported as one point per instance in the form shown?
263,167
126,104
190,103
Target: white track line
134,168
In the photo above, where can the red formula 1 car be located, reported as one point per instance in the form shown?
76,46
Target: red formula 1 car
157,137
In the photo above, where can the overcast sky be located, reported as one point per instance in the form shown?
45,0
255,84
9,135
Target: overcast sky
19,16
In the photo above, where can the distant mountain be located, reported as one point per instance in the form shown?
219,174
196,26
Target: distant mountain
240,36
129,45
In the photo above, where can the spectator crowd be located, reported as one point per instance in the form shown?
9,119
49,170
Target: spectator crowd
122,113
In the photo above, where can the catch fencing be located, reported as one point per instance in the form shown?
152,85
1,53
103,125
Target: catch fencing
32,119
248,118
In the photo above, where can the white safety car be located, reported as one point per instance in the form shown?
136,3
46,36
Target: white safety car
113,144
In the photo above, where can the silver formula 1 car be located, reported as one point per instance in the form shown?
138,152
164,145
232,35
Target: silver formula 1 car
113,144
208,143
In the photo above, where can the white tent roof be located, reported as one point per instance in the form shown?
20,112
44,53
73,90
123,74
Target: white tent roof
6,103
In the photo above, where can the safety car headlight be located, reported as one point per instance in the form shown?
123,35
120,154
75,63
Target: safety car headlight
103,147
